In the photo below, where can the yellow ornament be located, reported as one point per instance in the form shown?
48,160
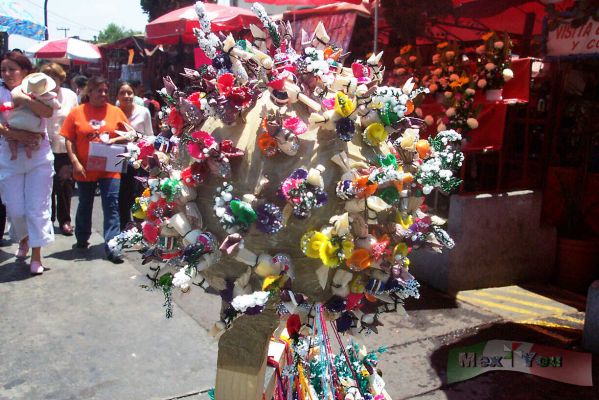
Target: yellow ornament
312,242
328,254
375,134
400,248
344,106
348,248
404,220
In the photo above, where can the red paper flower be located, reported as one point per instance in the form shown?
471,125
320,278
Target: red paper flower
225,83
150,232
194,174
240,96
201,140
195,98
294,325
145,150
175,120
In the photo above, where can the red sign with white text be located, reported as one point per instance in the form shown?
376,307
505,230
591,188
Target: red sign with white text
567,41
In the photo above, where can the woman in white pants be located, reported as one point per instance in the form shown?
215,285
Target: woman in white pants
25,183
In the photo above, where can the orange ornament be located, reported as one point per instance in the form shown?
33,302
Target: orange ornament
410,107
365,189
370,297
267,144
359,260
423,147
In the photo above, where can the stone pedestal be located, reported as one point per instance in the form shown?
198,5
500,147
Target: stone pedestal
499,242
590,334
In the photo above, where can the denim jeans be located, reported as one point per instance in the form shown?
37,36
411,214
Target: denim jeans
109,192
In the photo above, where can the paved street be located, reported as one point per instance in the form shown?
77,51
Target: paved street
87,330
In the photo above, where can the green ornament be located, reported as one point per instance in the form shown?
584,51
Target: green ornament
243,212
387,116
171,188
388,160
389,194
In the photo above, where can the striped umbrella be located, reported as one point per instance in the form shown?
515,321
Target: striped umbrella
66,49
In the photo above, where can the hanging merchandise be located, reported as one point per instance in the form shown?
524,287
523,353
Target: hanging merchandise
293,186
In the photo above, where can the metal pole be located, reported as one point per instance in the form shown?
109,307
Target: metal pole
46,18
376,25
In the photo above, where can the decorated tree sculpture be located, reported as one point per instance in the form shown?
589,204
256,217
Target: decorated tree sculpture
294,187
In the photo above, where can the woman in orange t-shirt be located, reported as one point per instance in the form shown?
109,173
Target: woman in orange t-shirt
94,121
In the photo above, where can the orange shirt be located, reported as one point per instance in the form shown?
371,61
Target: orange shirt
85,124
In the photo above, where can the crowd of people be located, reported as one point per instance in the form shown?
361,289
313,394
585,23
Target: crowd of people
46,132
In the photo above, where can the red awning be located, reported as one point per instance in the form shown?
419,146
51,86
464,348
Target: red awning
334,8
178,24
304,2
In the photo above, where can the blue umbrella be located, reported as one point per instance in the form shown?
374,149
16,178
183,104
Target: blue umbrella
15,20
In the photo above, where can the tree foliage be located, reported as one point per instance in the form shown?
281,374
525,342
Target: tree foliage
157,8
113,32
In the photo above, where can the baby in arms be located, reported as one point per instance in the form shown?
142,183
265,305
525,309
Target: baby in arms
37,86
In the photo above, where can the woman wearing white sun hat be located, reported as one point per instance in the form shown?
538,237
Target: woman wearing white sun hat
25,183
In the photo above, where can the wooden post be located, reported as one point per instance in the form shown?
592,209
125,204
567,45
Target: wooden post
242,356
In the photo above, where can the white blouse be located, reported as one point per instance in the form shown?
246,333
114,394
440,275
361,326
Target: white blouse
141,120
68,100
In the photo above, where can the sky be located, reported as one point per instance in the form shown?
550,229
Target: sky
84,18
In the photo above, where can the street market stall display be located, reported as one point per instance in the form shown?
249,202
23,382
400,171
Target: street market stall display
293,186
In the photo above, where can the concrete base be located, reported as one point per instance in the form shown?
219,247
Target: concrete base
499,242
590,334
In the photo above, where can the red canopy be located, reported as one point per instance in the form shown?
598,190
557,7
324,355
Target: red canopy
305,2
474,17
334,8
178,24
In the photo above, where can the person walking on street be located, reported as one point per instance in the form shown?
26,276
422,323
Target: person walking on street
95,121
140,120
62,190
26,183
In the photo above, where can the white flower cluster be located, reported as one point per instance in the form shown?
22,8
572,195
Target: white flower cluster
397,98
125,240
449,136
259,10
243,302
433,171
316,64
223,196
207,40
182,279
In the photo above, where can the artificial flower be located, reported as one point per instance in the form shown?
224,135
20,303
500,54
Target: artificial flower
508,74
344,106
195,98
375,134
405,49
267,144
359,260
175,121
472,123
295,125
243,212
490,66
364,188
423,148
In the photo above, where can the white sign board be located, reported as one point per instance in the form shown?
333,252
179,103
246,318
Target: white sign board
567,41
